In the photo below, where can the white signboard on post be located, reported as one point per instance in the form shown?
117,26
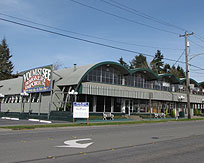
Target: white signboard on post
80,110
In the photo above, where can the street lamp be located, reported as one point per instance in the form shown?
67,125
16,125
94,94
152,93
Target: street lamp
73,92
1,95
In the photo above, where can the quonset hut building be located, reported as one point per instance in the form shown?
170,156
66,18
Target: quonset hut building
108,87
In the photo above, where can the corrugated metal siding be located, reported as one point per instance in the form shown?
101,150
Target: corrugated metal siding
131,92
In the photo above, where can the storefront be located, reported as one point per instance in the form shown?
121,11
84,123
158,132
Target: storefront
107,86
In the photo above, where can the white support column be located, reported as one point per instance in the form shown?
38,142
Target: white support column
104,104
86,98
94,103
123,106
123,80
112,104
39,107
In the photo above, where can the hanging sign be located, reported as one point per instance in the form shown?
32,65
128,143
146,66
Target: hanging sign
37,80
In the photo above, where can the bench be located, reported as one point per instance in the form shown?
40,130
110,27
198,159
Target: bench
159,115
108,115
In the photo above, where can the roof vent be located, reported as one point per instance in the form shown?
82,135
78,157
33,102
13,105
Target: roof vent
75,67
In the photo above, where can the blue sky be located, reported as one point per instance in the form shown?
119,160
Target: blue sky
31,48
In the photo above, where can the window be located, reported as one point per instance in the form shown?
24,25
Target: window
35,97
100,104
117,104
105,74
90,100
107,104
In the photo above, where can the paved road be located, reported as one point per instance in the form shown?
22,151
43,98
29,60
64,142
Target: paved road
163,142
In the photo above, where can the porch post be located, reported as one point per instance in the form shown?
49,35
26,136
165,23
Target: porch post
94,103
112,104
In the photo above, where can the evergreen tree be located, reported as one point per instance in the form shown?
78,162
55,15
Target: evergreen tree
167,68
6,66
178,72
157,63
174,71
122,62
181,72
139,62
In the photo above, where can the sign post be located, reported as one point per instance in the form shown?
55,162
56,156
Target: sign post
81,110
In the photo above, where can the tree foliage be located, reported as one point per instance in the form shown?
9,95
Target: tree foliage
157,63
167,68
122,62
6,66
139,62
178,72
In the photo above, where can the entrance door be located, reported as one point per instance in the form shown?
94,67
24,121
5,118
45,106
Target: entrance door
128,106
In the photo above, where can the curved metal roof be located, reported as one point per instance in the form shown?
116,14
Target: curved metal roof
201,83
171,77
74,77
70,76
150,73
191,81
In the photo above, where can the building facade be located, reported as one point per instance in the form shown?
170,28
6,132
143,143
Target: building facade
108,87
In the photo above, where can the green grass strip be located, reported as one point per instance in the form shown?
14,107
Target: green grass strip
27,127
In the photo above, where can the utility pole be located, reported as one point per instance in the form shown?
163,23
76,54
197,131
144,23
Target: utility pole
187,73
150,105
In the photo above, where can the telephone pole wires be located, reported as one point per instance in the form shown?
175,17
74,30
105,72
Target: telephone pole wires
187,73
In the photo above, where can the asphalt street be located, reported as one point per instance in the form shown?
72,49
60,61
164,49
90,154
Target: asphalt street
157,142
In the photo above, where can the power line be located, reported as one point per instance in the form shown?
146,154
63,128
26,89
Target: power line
123,18
195,55
92,42
80,39
196,66
72,37
196,44
146,16
141,14
179,58
199,37
194,70
95,37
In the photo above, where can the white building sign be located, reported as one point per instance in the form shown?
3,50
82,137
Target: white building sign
80,110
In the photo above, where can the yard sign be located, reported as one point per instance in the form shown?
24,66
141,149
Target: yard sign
81,110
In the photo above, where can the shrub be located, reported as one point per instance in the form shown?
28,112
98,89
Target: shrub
196,112
199,113
166,113
173,115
